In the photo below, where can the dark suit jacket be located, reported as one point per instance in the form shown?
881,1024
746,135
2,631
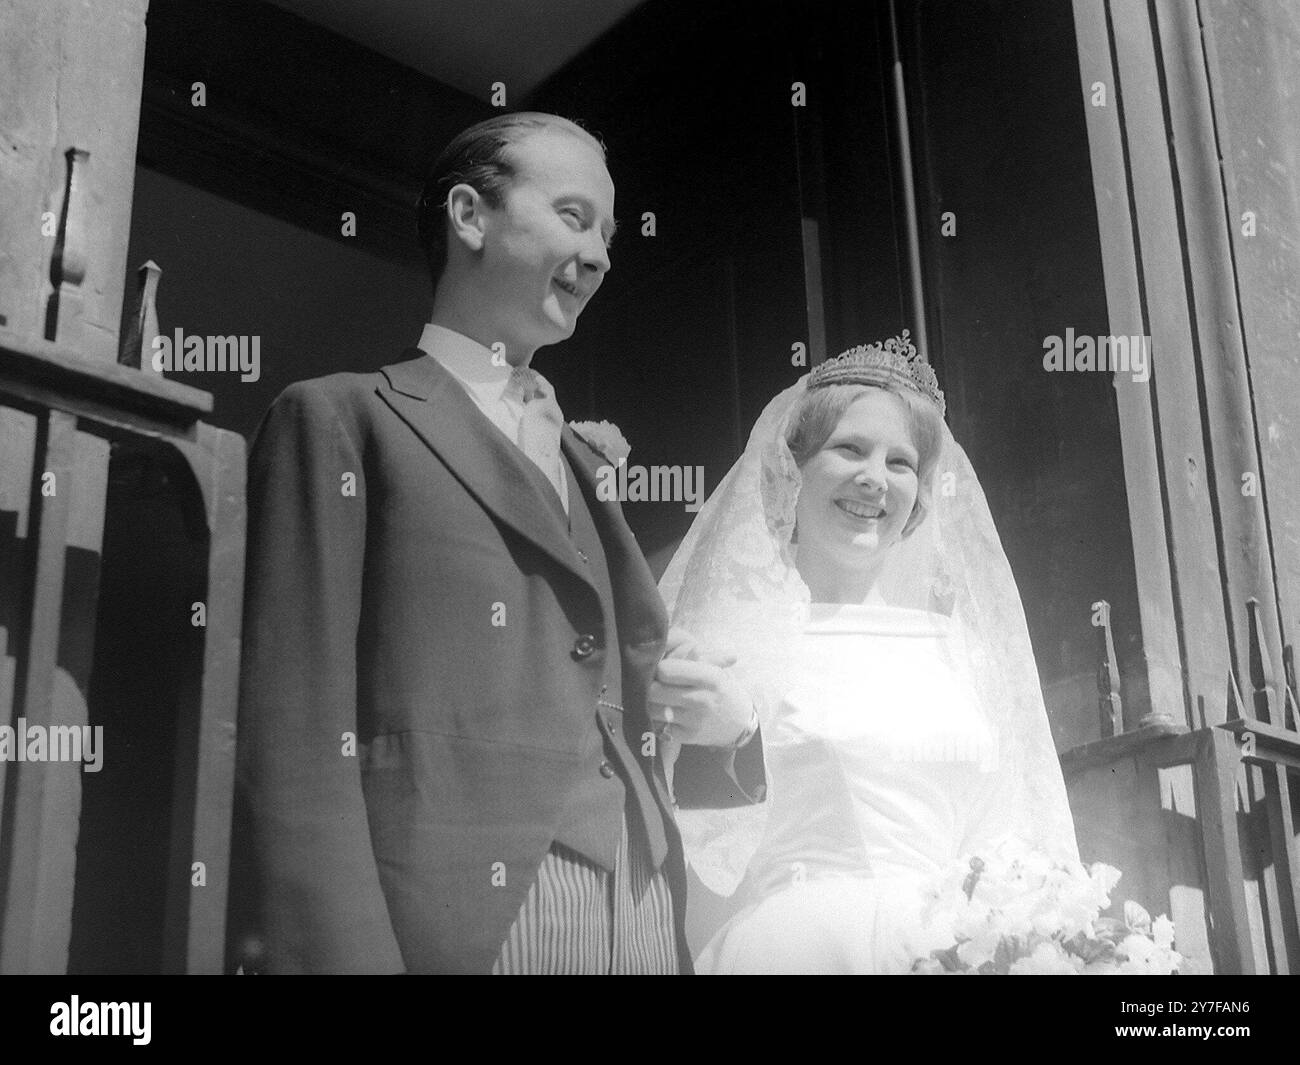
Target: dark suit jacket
390,523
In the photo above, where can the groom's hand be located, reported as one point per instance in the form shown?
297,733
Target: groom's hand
694,698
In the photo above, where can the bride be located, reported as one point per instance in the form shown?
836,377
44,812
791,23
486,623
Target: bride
849,564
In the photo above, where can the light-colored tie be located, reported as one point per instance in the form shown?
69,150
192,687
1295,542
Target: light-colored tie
540,425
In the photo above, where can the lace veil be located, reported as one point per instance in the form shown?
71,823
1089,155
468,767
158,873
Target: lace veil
732,584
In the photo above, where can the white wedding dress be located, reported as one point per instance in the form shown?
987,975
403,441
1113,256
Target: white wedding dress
874,752
896,739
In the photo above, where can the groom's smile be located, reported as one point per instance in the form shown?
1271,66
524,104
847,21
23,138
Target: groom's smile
546,249
571,290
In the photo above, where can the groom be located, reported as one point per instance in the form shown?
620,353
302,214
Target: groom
447,761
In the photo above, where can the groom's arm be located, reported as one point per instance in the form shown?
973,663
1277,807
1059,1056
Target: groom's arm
320,903
713,778
696,693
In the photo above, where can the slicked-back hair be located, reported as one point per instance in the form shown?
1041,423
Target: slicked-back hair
479,157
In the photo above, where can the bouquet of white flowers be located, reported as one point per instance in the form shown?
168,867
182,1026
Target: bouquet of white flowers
1014,911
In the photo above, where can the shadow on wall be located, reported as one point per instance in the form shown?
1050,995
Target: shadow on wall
315,305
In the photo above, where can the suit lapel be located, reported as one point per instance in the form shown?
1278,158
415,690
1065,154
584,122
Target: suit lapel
429,400
642,618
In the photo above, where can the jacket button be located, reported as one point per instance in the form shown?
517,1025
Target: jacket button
606,770
609,724
584,645
583,555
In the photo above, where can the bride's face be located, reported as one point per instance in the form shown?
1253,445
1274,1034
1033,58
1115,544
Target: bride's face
857,493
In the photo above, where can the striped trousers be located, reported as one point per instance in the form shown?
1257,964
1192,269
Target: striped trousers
581,919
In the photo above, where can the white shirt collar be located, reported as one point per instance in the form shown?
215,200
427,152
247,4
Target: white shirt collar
475,370
466,360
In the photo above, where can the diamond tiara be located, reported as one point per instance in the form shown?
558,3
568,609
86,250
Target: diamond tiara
895,362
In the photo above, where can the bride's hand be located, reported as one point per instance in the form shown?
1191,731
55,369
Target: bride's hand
693,697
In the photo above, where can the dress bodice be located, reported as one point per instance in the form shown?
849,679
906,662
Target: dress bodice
874,748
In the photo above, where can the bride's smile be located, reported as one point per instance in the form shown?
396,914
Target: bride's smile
857,492
868,511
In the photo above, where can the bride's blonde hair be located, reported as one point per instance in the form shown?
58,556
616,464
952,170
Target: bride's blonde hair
821,409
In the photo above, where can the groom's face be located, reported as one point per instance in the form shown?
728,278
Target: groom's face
546,248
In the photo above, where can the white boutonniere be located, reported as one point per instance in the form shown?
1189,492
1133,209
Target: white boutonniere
606,438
